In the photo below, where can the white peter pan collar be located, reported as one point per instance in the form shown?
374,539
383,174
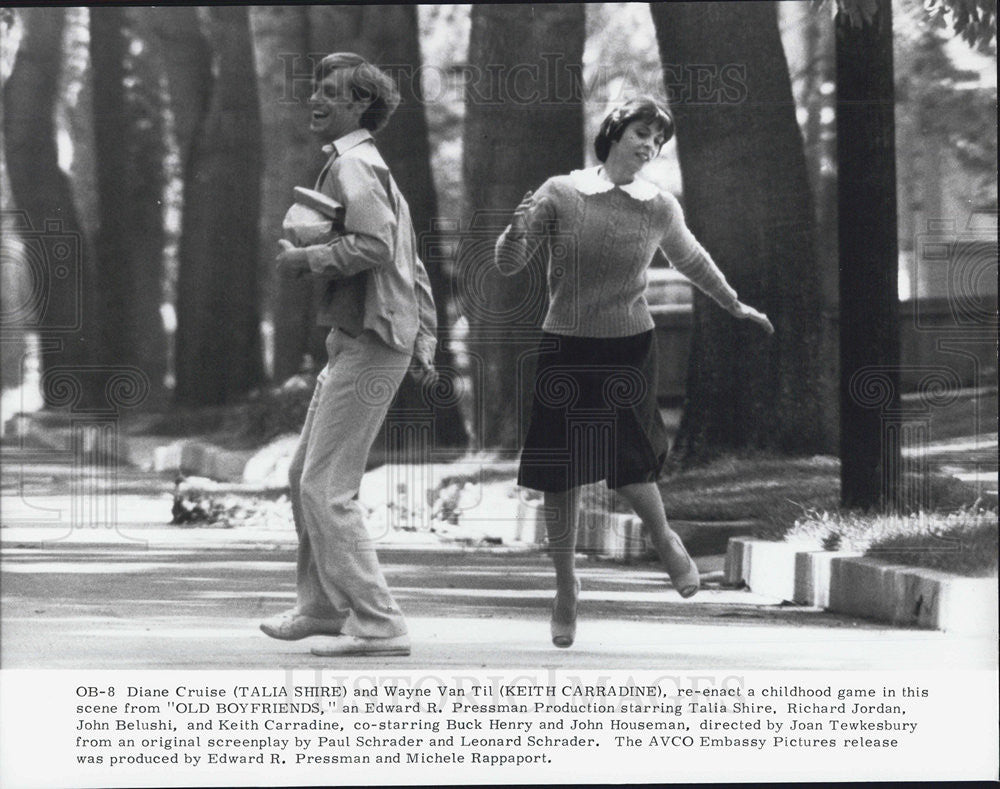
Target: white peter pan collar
590,182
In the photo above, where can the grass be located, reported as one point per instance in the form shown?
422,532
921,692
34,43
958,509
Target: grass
973,412
776,491
762,488
785,498
798,499
963,541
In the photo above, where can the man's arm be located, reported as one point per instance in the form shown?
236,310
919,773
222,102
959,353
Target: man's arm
426,342
369,225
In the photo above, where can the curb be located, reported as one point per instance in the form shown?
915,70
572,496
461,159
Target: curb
848,583
186,456
203,460
915,597
766,567
812,576
610,535
618,536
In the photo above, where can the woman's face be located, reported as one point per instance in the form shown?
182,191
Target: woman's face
639,144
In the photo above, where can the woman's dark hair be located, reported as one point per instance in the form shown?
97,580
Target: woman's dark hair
641,109
367,83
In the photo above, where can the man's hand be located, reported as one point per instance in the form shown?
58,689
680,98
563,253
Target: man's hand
744,311
423,372
291,261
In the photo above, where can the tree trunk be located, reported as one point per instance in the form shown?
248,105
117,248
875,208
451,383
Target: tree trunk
187,60
387,36
747,198
146,183
54,243
291,158
218,330
810,79
869,305
112,264
75,117
15,288
523,124
821,154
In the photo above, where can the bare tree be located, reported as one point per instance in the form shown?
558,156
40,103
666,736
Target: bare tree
747,198
146,183
129,148
187,60
218,352
869,304
55,248
291,158
523,124
107,58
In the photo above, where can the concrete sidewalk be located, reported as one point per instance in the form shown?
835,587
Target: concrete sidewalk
50,505
74,604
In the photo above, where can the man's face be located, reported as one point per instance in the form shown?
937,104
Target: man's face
333,112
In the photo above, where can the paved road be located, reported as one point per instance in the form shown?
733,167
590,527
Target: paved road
150,596
191,601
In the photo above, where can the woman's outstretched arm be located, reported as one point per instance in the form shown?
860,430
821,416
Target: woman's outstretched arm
522,237
690,258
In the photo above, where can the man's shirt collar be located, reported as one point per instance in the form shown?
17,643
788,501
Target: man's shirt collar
348,141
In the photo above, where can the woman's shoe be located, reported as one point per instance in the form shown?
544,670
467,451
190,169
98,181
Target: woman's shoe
683,571
563,633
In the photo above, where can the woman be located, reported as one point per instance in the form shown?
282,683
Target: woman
594,414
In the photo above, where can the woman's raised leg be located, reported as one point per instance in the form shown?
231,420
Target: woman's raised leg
645,499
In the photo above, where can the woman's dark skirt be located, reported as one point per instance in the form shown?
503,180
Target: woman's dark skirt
594,414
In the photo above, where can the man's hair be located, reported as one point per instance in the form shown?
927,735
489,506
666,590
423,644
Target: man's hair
641,109
368,83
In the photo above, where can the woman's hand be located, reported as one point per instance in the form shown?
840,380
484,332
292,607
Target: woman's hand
518,223
744,311
291,261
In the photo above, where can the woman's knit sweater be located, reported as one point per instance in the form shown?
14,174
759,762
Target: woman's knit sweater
601,239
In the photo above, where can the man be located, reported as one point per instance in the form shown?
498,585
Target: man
378,304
